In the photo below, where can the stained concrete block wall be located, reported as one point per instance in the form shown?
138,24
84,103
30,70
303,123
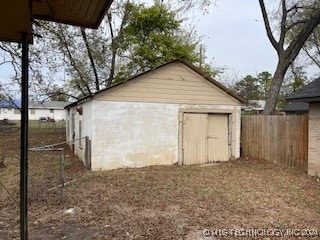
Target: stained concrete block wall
137,134
314,140
86,127
133,134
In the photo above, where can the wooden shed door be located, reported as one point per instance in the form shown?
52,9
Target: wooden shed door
194,138
218,148
205,138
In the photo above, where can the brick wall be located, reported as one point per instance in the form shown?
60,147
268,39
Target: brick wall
314,140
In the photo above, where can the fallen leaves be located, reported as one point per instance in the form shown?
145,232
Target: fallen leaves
160,202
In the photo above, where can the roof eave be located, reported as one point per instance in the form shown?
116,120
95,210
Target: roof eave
304,99
80,101
17,16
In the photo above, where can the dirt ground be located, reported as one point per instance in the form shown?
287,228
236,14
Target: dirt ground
160,202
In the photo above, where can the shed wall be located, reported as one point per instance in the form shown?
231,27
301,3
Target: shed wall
137,134
127,134
79,127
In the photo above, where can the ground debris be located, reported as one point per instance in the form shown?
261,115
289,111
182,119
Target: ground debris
160,202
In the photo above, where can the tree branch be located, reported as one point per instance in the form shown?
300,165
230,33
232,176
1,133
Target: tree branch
274,43
313,59
9,97
4,62
289,27
85,39
283,29
73,63
297,43
50,95
116,40
113,51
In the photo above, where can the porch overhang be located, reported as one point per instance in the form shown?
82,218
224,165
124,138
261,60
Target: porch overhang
17,16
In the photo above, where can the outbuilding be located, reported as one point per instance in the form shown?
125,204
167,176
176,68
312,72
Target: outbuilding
174,113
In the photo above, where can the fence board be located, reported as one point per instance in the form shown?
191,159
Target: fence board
282,139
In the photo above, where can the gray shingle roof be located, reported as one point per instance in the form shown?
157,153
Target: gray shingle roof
297,107
309,93
35,104
48,104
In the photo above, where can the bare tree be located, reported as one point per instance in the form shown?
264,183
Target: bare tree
301,15
312,47
69,62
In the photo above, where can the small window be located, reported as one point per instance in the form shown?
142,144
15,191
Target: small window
51,111
32,111
16,111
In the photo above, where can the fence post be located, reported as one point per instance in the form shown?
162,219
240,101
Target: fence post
87,153
62,163
1,160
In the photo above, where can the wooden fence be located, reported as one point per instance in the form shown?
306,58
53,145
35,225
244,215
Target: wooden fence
282,139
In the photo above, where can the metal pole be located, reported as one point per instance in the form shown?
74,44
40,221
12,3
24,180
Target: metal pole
24,141
62,161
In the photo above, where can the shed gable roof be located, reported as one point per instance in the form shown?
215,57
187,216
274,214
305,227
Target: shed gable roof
310,93
177,81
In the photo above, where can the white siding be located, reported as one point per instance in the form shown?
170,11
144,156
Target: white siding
56,114
10,114
34,114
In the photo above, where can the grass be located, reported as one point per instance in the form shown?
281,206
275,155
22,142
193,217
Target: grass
36,125
160,202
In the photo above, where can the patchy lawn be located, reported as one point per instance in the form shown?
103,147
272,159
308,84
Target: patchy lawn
160,202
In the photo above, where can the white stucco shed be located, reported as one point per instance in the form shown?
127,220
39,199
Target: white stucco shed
174,113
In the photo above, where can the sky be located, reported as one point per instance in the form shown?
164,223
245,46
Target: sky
234,34
235,37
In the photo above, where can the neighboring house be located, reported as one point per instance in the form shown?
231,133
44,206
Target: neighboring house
296,108
254,106
9,111
174,113
49,109
311,94
37,109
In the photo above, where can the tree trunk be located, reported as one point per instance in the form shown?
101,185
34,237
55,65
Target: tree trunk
274,91
288,55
